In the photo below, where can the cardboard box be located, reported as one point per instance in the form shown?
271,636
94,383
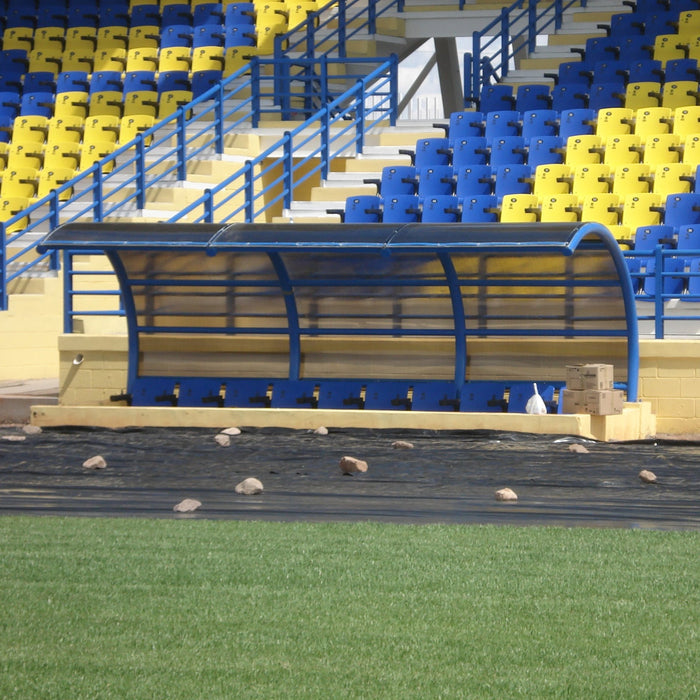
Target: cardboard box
573,401
591,376
605,402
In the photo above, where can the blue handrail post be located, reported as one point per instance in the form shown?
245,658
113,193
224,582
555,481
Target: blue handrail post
467,77
282,88
249,189
372,17
505,36
208,206
54,221
310,40
140,172
97,192
658,293
532,26
360,119
219,120
558,13
476,65
67,291
255,88
394,87
288,174
325,96
325,142
181,144
342,49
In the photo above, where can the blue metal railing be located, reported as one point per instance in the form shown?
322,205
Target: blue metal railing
497,44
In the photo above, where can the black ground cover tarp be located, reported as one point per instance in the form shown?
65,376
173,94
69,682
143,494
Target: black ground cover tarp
446,478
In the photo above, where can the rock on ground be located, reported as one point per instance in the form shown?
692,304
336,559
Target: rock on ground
352,465
647,477
579,449
222,440
321,430
14,438
96,462
249,487
506,495
402,445
188,505
231,431
30,429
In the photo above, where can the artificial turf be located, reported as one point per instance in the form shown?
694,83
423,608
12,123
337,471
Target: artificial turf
130,608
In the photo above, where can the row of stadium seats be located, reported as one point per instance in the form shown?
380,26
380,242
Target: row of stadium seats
576,150
551,179
622,214
546,122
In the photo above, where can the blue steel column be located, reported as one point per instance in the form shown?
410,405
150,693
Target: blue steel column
292,315
458,313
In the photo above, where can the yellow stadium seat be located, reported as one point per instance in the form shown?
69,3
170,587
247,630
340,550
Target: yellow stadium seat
3,156
110,59
51,178
615,121
9,206
30,128
59,154
77,59
584,149
689,23
297,12
673,178
142,59
143,37
115,37
92,152
642,210
679,93
47,59
686,120
626,148
29,155
66,129
553,179
175,58
662,148
594,178
18,38
603,208
19,182
208,58
236,57
653,120
691,46
141,102
666,48
83,39
50,38
133,125
633,178
560,208
100,128
642,94
691,149
519,208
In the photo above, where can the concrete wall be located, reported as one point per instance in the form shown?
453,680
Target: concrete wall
93,368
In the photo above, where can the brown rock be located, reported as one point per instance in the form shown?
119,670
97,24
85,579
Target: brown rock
352,465
96,462
249,487
579,449
188,505
647,477
222,440
506,495
402,445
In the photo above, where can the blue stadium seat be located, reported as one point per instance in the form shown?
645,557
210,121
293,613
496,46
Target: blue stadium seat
336,393
532,97
576,122
396,179
472,150
363,209
513,179
570,96
239,13
430,151
247,393
401,208
540,122
496,97
503,123
435,180
295,394
545,149
472,180
155,391
480,209
507,150
387,396
463,124
435,396
483,397
682,209
201,392
440,209
175,14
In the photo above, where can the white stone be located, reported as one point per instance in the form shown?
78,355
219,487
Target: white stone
579,449
647,477
321,430
222,440
506,495
249,487
96,462
352,465
14,438
187,505
402,445
30,429
231,431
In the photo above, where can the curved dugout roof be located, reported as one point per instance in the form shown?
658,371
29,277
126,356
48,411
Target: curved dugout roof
303,281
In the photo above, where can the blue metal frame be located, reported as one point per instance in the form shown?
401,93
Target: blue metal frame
340,244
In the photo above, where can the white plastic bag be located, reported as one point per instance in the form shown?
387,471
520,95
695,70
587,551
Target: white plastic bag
535,404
